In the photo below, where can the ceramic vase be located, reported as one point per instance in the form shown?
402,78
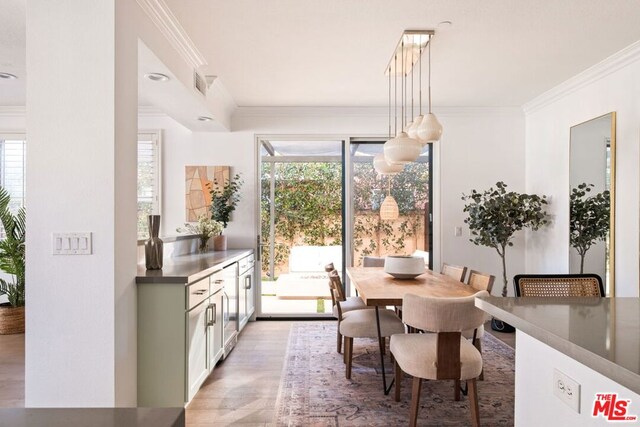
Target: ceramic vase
220,243
153,246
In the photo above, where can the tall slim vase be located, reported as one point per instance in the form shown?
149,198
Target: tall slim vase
153,245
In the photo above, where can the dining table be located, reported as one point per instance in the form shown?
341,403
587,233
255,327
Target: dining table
379,289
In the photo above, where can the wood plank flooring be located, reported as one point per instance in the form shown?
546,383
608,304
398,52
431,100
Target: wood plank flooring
241,391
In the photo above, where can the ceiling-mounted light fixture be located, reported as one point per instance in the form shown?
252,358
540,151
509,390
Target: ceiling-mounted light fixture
430,129
157,77
402,149
8,76
389,208
380,164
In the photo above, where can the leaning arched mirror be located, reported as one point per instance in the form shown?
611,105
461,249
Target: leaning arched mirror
592,198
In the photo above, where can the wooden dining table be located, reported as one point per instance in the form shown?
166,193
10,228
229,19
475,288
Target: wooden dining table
379,289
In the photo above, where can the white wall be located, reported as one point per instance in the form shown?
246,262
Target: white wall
478,148
610,86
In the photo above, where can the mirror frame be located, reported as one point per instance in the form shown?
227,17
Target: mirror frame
612,194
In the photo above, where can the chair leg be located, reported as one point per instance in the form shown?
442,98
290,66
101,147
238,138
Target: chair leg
339,350
398,380
456,391
383,345
415,401
348,353
473,402
344,353
478,345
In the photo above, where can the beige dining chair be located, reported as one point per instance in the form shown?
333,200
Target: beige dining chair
454,271
347,304
443,355
362,324
480,282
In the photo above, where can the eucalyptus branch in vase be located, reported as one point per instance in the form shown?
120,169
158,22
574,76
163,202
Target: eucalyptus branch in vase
225,198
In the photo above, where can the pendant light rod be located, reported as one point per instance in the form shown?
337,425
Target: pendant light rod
395,99
402,82
429,74
389,102
420,80
412,57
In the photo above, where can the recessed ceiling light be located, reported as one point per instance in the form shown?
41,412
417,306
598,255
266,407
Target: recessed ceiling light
205,118
8,76
157,77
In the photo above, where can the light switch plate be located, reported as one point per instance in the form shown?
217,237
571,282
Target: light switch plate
566,389
457,231
71,243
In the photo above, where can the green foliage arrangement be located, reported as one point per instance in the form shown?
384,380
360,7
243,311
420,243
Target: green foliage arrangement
225,198
588,219
12,251
495,215
205,228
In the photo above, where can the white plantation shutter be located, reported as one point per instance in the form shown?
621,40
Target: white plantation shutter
12,170
148,179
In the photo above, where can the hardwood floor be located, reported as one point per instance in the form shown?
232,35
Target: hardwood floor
241,391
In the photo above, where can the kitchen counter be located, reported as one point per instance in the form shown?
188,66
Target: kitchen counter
95,417
190,268
600,333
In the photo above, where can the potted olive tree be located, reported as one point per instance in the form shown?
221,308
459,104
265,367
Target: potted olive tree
224,200
588,219
12,261
495,215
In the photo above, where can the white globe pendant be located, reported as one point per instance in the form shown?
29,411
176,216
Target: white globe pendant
402,150
430,130
412,131
381,166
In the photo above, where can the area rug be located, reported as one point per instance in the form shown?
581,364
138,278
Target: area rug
314,392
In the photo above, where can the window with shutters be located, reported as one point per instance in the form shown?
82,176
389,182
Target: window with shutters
12,170
148,179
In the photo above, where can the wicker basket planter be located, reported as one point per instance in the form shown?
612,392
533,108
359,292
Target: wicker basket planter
11,319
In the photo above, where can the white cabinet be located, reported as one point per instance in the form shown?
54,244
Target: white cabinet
251,294
198,366
246,294
215,324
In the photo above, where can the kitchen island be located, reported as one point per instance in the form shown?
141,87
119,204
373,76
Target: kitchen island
569,351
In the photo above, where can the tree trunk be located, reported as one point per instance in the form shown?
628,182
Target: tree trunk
504,271
582,255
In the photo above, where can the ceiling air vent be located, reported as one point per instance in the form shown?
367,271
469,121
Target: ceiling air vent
200,83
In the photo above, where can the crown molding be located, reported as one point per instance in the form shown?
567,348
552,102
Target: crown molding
174,32
613,63
13,111
383,112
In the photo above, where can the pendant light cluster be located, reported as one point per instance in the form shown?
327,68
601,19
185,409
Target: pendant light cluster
410,138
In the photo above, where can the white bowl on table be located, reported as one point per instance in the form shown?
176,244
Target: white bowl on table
404,267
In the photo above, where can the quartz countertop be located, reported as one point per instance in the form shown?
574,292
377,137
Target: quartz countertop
95,417
601,333
190,268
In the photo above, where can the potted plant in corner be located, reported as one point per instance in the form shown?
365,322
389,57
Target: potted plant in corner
224,199
12,261
495,215
588,219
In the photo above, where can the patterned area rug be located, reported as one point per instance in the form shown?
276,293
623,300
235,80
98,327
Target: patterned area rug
314,392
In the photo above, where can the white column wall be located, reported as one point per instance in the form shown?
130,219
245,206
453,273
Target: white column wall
614,87
82,97
478,148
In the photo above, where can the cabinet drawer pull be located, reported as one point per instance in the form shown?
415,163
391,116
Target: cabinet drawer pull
212,319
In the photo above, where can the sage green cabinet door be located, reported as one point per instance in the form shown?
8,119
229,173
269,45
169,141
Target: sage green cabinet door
197,366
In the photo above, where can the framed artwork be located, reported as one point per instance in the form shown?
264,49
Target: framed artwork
198,182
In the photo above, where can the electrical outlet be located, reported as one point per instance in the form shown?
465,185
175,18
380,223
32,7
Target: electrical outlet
457,231
567,390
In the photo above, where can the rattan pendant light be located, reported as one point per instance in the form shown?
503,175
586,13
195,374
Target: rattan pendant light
389,208
402,149
430,129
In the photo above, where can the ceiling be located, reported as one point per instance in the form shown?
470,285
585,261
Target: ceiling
334,52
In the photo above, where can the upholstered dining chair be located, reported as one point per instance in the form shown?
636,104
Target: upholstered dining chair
480,282
558,285
362,324
443,355
347,304
373,261
454,271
